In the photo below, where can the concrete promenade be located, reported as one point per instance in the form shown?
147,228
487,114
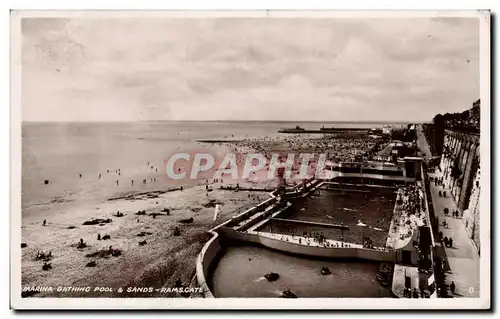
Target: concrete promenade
462,259
422,143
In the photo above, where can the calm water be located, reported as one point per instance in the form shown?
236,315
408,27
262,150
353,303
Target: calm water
373,207
60,152
241,269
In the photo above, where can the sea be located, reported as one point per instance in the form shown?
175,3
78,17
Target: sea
60,152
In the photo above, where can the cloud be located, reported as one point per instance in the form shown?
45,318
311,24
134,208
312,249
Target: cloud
241,69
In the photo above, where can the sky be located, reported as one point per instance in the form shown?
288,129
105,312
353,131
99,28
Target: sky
276,69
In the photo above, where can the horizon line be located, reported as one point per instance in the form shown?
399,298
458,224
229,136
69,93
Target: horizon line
241,121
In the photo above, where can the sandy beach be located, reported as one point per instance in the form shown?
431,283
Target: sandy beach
163,260
151,255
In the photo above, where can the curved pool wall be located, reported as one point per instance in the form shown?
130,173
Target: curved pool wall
209,253
214,247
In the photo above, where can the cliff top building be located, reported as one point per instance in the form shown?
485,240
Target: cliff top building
460,164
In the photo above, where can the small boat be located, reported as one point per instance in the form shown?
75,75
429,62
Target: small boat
272,276
288,294
325,270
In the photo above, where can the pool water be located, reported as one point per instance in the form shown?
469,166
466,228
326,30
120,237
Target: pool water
240,273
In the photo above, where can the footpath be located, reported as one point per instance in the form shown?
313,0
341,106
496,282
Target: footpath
462,260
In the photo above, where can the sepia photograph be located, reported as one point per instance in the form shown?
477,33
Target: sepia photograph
229,160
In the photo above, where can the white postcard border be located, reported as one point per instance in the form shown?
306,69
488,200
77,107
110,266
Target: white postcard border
483,302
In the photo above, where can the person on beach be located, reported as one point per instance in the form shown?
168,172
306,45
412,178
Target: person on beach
80,175
98,236
117,183
44,222
452,287
99,175
132,182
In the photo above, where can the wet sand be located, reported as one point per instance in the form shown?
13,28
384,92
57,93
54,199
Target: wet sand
159,263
